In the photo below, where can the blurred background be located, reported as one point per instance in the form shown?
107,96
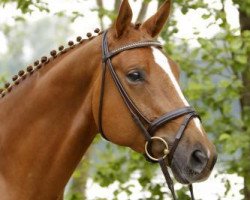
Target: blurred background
210,39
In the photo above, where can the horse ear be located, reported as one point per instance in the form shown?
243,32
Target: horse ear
155,23
124,18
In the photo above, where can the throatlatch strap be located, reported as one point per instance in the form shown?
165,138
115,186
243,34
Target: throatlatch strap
102,91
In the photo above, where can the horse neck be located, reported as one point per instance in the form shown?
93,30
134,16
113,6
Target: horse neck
47,124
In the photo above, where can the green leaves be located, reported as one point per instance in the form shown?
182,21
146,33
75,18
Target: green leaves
224,136
28,6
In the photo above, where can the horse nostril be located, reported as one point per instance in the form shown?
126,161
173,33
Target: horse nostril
198,161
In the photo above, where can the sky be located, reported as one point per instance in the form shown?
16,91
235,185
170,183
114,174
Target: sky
207,190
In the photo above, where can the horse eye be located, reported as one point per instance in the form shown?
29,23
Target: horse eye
135,76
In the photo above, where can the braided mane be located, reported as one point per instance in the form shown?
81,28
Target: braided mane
38,64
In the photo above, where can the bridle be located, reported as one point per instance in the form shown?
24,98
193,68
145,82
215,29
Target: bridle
148,128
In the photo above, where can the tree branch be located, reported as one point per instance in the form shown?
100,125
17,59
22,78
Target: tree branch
100,13
117,5
143,11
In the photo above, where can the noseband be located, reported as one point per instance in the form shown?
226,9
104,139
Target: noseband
148,128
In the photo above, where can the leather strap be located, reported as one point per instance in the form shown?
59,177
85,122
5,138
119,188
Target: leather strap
134,45
169,117
190,186
180,133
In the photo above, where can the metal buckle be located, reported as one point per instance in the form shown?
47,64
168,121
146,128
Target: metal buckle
166,150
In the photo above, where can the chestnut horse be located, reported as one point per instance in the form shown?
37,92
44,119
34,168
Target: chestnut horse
49,115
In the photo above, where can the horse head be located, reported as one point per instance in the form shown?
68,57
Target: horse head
150,80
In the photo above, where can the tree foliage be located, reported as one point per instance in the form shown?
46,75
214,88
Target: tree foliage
28,6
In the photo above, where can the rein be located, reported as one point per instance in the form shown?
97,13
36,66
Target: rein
148,128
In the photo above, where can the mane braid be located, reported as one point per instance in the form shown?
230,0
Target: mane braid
43,61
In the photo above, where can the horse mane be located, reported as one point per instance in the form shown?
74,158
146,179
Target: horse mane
38,64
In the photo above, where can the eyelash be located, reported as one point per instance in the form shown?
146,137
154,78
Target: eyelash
136,76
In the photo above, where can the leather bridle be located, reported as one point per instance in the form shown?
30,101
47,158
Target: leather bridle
148,128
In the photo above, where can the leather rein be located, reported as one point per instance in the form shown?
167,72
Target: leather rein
148,128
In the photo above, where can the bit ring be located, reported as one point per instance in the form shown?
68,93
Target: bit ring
165,151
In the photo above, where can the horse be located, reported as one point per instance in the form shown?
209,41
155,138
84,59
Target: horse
53,110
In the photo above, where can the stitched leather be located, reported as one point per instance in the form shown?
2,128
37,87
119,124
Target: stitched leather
168,117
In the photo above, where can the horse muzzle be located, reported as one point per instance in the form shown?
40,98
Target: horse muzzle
193,167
